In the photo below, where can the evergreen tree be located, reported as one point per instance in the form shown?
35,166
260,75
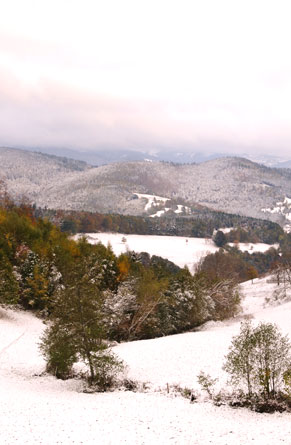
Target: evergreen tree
78,318
220,239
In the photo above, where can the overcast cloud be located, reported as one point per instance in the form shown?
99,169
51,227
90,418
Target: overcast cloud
143,74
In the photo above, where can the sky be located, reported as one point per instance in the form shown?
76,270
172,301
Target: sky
146,74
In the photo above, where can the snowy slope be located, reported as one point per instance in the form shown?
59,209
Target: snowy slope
38,409
179,358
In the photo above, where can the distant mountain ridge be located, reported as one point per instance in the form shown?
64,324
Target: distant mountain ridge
108,156
230,184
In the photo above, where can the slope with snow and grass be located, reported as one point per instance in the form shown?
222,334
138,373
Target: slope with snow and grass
38,409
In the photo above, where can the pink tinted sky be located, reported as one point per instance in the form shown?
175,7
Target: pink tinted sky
143,74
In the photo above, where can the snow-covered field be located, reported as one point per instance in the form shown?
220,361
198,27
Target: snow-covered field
38,409
178,249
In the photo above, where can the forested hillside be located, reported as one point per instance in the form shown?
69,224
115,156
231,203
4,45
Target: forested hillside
232,185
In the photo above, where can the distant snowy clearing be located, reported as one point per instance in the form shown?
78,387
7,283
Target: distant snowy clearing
254,247
38,409
178,249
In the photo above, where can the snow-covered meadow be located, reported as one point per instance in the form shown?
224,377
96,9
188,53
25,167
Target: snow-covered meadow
36,408
178,249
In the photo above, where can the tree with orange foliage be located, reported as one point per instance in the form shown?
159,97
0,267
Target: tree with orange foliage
123,265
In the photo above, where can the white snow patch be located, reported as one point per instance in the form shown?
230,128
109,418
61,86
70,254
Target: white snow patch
254,247
153,200
179,209
160,213
225,229
283,208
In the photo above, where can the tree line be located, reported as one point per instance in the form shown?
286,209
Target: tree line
201,224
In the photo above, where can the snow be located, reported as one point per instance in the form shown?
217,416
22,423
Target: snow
178,249
160,212
254,247
170,359
38,409
153,200
224,230
180,209
283,208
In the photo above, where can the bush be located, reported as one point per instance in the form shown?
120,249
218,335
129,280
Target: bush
59,352
207,383
259,358
106,367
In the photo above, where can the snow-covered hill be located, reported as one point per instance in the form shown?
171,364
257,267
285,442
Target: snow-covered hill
231,184
29,173
38,409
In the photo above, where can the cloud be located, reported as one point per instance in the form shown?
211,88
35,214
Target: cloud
161,74
62,116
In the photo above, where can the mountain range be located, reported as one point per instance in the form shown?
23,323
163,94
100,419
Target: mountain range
110,155
230,184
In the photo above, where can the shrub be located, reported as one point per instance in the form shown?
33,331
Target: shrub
206,382
59,352
259,357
